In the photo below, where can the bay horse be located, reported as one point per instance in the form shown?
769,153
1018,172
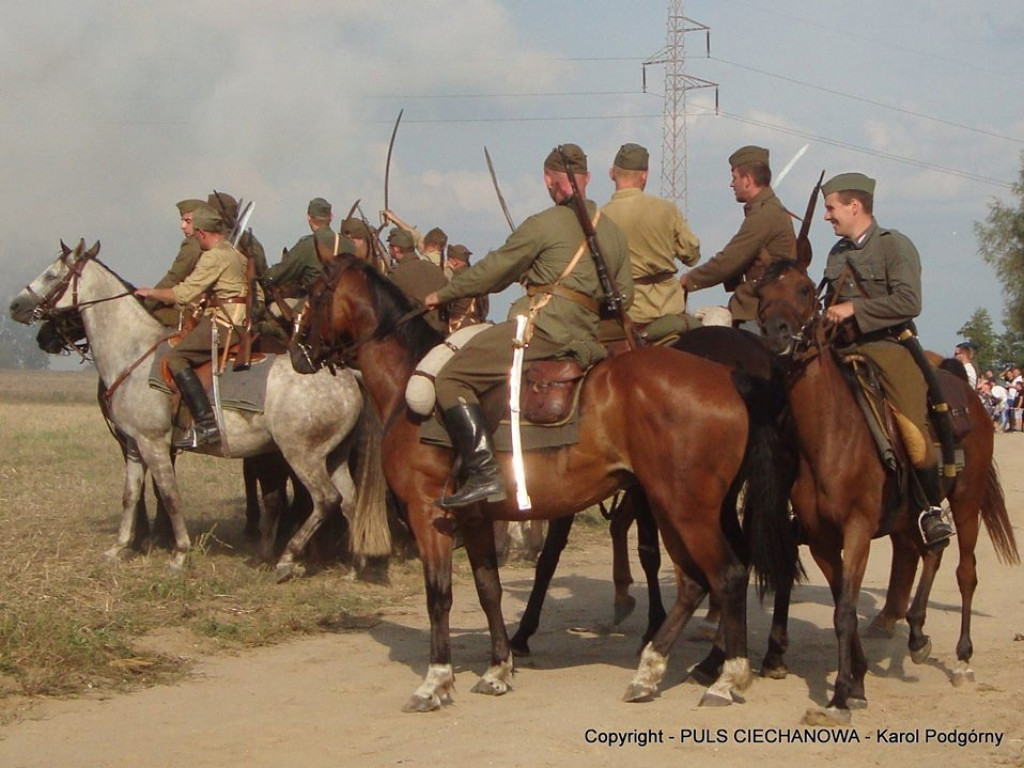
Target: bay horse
670,422
841,490
314,421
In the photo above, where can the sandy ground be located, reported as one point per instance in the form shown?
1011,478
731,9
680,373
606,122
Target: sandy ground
335,700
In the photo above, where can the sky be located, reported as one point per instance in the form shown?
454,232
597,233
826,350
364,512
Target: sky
112,112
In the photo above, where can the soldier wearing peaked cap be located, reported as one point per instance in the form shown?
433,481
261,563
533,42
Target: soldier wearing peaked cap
219,275
434,243
227,207
471,310
657,234
414,275
181,267
874,291
301,265
548,254
766,236
359,233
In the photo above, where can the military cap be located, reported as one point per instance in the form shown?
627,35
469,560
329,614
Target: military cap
355,228
319,208
188,206
460,252
436,236
224,203
632,157
207,219
574,156
747,155
402,238
849,182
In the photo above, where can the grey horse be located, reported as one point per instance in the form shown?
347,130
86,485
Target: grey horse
315,421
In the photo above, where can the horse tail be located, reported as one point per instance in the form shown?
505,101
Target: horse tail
997,521
769,468
370,533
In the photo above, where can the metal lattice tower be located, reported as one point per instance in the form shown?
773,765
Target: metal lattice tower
677,85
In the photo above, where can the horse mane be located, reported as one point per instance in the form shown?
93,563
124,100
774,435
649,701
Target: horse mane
776,268
391,306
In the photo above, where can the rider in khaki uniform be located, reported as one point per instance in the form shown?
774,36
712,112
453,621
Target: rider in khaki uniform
563,306
181,267
657,234
467,311
874,279
415,276
219,274
765,236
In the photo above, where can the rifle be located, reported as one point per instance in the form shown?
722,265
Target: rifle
803,243
614,301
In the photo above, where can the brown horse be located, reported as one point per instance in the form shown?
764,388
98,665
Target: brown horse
668,422
842,488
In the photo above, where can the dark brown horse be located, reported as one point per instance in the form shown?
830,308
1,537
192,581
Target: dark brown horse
842,488
668,422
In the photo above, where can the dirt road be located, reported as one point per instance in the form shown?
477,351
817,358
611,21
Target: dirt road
335,700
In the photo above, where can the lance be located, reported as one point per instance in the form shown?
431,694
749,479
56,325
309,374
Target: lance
497,189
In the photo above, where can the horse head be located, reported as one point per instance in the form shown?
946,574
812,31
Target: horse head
48,293
788,306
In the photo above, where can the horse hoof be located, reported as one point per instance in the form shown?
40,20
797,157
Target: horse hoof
119,554
857,702
826,717
490,687
285,571
623,608
881,630
715,699
422,704
963,677
775,673
920,656
177,563
636,693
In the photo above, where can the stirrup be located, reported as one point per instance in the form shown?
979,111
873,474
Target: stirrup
195,437
474,490
940,531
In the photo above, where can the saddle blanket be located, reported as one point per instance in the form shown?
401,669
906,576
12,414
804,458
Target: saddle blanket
239,390
536,437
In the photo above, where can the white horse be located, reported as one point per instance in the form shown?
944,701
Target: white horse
315,421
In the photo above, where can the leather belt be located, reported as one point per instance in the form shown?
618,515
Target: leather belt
566,293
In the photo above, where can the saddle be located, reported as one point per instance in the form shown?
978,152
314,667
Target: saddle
549,395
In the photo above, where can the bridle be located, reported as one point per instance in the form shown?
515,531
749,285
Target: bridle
309,339
813,333
46,305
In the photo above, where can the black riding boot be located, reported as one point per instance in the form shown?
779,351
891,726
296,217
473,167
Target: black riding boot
481,478
204,429
934,529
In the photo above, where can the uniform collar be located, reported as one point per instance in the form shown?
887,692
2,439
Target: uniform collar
627,192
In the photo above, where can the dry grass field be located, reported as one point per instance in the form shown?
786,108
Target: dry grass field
73,621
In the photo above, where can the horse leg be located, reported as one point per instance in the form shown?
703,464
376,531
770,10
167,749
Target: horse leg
534,539
558,536
901,580
622,516
919,644
270,472
134,489
478,538
967,529
250,475
156,455
649,548
436,555
774,665
312,471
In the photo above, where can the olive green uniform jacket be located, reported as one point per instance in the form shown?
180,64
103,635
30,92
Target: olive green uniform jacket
658,236
766,236
884,284
535,254
417,278
298,270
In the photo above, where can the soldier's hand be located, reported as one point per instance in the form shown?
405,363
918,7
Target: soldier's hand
837,313
431,301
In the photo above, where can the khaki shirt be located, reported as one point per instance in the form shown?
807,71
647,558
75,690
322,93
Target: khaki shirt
766,236
417,278
298,270
887,288
658,236
536,254
221,272
183,264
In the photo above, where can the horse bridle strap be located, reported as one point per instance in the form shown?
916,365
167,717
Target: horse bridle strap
109,391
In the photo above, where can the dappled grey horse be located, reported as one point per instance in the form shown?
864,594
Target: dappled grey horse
315,421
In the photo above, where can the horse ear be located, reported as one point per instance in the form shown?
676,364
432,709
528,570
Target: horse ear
804,253
63,248
93,251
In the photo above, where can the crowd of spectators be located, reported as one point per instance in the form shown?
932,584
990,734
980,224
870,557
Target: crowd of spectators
1003,394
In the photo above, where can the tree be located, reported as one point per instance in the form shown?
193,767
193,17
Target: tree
979,330
18,348
1001,245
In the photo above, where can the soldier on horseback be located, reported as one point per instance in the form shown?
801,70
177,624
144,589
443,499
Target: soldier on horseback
874,277
547,253
220,275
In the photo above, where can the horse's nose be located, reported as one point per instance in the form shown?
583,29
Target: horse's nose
21,309
779,334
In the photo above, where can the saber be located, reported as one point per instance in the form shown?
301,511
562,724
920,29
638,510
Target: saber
789,166
217,410
514,387
497,189
387,164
